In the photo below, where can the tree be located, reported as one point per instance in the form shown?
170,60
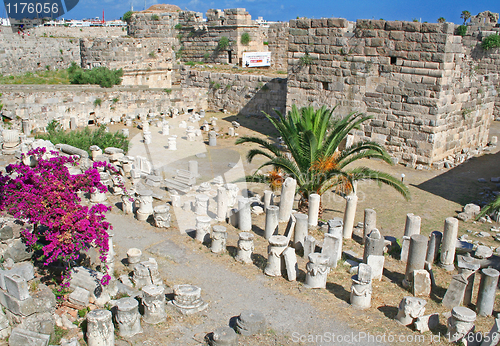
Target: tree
127,16
441,20
490,209
312,157
465,16
45,194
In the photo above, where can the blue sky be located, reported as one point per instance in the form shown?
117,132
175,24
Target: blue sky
279,10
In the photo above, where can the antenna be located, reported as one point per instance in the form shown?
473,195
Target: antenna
144,5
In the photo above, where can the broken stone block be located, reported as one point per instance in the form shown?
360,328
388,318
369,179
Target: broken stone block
127,317
309,245
251,322
409,309
421,283
18,251
291,266
146,273
483,252
23,337
377,265
224,336
472,209
17,286
41,301
464,217
364,273
6,232
425,323
79,296
455,293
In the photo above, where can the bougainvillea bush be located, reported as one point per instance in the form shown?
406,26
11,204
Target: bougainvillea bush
46,195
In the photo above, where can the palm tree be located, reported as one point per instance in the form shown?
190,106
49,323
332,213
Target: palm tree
441,20
313,157
465,15
490,208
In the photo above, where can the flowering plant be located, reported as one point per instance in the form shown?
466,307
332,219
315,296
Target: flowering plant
46,195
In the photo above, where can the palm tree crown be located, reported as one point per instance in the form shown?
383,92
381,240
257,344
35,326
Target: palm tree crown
313,157
465,15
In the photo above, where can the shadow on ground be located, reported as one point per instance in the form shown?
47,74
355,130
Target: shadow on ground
460,184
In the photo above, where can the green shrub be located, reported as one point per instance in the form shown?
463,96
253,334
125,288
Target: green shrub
245,39
152,54
127,16
60,51
97,102
115,100
155,17
168,91
178,26
223,43
266,43
492,41
84,138
1,104
190,63
216,86
462,30
206,56
305,60
98,75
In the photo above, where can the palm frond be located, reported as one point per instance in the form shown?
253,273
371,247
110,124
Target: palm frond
365,173
490,208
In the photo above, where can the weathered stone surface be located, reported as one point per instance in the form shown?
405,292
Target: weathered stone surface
23,337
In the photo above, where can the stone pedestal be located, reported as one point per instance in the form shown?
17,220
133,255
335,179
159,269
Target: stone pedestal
268,198
146,205
153,300
146,135
172,143
277,244
301,230
232,193
251,322
271,226
212,138
98,197
224,336
350,213
133,257
361,293
409,309
146,273
201,204
127,317
313,212
317,270
245,247
370,222
188,299
449,242
165,129
244,215
127,205
162,216
286,199
487,290
460,324
202,229
100,328
222,204
373,254
433,247
416,257
219,238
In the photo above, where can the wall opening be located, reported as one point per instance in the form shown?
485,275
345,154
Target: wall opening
229,57
326,85
394,60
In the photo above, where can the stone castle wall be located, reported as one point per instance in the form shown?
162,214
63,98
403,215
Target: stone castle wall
236,93
412,78
41,104
277,42
20,54
76,32
146,61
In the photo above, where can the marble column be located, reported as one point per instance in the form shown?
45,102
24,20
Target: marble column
222,204
460,324
146,205
127,204
370,222
317,270
301,230
193,168
219,238
232,193
277,244
202,229
100,328
201,205
487,291
268,198
245,247
162,216
172,143
416,257
449,242
271,221
313,212
433,247
286,199
212,138
133,257
153,301
412,226
127,317
244,215
350,213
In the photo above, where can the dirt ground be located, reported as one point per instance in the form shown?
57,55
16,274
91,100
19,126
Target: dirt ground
436,194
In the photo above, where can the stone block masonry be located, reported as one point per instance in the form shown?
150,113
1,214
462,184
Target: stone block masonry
40,104
237,93
414,79
20,54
